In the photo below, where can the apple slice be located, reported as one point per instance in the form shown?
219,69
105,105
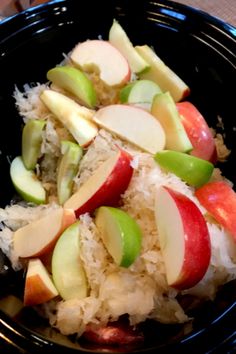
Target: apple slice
134,125
67,269
39,237
184,238
190,169
219,199
74,81
76,118
140,91
105,186
164,109
102,57
198,132
67,169
120,40
39,287
161,74
31,142
120,233
26,182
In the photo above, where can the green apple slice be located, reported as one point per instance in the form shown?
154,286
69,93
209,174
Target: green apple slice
193,170
120,233
26,182
74,81
31,142
159,72
67,169
67,269
140,91
164,109
119,39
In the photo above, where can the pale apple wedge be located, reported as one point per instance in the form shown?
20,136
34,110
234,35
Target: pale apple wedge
105,186
120,233
67,268
103,58
76,118
26,182
39,287
39,237
120,40
184,238
74,81
133,124
164,109
31,142
160,73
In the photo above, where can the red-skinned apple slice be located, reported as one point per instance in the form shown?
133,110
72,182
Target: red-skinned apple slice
133,124
39,287
102,57
39,237
198,132
184,238
219,199
105,186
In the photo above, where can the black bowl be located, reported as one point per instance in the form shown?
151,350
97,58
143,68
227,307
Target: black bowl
202,50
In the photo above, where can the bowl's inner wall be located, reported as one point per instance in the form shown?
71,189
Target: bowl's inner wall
33,42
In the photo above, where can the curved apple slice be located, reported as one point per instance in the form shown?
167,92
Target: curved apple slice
120,233
67,269
134,125
39,287
184,238
219,199
102,57
39,237
26,182
105,186
198,132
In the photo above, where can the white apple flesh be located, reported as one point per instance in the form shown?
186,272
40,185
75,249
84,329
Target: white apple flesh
160,73
102,57
76,118
39,287
105,185
133,124
67,268
120,40
184,238
39,237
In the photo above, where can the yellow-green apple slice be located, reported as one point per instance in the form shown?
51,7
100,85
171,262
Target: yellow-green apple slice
164,109
31,142
162,74
219,199
76,118
39,287
198,132
74,81
26,182
140,91
105,186
134,125
120,40
184,238
67,268
39,237
102,57
67,169
190,169
120,233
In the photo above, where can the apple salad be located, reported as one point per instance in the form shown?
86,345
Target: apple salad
121,209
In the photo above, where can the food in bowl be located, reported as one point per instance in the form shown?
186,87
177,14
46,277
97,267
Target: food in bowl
117,181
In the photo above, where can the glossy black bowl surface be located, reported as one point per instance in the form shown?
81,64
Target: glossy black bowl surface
202,50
